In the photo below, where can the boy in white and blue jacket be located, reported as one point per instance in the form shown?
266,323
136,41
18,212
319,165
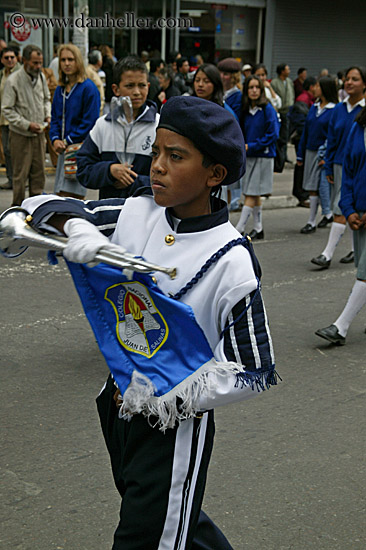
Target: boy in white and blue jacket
97,164
161,475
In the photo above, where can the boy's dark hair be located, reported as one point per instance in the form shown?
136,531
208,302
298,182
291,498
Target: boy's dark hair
213,74
155,64
8,49
28,50
301,70
328,87
262,101
129,63
281,67
309,81
180,61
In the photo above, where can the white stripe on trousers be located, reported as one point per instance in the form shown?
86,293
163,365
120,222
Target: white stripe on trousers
177,499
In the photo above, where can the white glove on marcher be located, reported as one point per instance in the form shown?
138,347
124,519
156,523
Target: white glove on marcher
85,241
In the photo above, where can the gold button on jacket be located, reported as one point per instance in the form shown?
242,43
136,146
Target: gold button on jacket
169,240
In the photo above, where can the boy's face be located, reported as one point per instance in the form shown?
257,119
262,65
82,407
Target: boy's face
178,178
135,85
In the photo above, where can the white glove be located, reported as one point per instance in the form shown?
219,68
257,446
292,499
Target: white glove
85,241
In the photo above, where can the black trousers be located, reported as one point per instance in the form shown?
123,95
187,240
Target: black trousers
161,478
297,189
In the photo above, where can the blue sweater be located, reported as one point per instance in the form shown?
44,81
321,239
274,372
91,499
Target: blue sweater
234,101
339,127
315,131
82,105
353,191
261,132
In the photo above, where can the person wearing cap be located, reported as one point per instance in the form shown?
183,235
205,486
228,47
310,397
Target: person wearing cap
161,476
230,75
246,70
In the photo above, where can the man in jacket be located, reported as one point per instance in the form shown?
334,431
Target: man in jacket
10,64
26,106
284,87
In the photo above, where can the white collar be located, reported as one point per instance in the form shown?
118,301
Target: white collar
319,109
231,91
350,107
254,110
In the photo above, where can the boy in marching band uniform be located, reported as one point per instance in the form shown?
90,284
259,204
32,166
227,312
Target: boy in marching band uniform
161,473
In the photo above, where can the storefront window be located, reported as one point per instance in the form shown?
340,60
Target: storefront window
219,31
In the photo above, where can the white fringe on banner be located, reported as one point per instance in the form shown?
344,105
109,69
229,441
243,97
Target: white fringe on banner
139,397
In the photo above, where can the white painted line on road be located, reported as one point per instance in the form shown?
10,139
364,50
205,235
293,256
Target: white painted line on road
323,276
31,267
57,320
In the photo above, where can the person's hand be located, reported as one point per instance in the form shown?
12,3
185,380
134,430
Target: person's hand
330,179
267,84
35,128
123,174
246,147
355,222
321,163
85,241
47,121
59,146
299,163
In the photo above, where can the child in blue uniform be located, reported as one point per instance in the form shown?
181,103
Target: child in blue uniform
340,125
97,162
161,474
353,207
260,125
314,135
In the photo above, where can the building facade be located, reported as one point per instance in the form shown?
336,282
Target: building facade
315,36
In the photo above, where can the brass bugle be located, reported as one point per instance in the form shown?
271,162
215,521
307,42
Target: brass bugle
16,235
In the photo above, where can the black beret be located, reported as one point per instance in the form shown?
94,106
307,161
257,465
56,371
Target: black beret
213,130
229,65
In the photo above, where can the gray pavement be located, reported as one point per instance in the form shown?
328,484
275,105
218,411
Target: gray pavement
288,468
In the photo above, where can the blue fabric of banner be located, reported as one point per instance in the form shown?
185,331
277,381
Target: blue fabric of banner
139,328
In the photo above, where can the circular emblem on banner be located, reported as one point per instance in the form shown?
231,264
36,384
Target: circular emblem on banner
140,326
21,33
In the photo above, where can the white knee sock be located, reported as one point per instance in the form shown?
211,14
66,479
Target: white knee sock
257,217
314,202
355,303
244,217
335,234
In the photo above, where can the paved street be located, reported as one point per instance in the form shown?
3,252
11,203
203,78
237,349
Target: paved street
288,468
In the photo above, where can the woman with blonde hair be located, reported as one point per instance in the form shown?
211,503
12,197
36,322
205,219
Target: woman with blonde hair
75,109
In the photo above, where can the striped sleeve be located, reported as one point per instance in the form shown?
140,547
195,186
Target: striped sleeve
247,339
103,214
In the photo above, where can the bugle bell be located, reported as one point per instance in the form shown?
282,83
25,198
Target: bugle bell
16,235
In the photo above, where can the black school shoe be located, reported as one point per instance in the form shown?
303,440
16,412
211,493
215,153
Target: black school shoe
308,228
332,335
321,261
256,235
324,221
349,259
